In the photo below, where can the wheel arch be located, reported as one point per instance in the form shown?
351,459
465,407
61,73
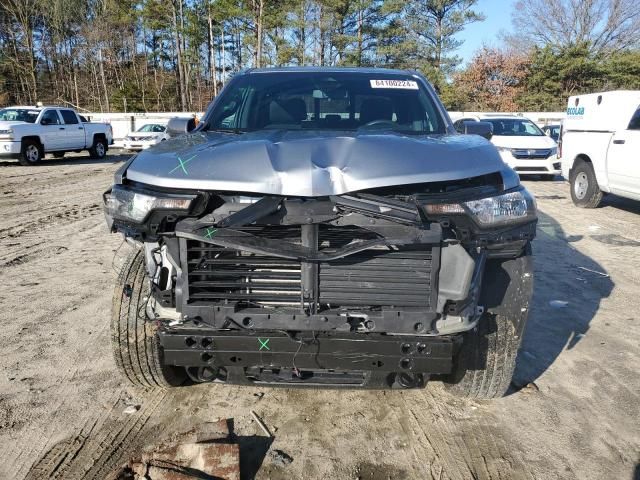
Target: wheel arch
32,138
99,136
581,157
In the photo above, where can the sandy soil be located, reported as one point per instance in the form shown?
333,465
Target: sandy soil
62,402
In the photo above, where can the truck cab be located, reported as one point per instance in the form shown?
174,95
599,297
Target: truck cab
600,145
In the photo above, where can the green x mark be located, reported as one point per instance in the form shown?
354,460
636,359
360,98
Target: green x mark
182,163
210,232
264,344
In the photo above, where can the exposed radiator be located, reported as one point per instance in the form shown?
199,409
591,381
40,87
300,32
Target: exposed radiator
378,277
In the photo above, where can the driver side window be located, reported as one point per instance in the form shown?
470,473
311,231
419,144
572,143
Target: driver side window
227,113
50,117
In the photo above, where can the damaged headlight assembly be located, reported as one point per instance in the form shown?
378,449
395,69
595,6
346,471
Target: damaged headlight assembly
513,207
136,205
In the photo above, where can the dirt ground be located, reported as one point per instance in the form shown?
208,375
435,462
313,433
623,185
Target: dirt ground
62,403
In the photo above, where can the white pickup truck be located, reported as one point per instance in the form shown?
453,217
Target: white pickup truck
28,133
600,146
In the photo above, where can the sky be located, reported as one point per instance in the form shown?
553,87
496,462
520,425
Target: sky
498,18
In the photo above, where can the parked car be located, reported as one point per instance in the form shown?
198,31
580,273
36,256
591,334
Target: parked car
600,144
521,143
146,136
323,227
28,133
552,131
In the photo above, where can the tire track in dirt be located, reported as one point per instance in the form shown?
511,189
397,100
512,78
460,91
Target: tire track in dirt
464,446
84,228
109,439
106,442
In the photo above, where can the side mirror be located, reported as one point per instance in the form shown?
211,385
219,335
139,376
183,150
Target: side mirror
484,129
180,126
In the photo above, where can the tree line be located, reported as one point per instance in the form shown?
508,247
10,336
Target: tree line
169,55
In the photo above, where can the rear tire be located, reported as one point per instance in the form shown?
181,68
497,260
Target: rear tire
31,153
484,366
585,191
99,148
136,347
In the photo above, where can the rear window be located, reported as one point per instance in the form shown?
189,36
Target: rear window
634,124
327,101
69,117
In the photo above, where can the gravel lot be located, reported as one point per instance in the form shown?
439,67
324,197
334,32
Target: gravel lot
61,401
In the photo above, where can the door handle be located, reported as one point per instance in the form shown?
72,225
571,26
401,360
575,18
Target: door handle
79,128
61,128
618,142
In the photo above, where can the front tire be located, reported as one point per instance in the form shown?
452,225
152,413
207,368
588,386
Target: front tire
99,149
31,153
585,191
484,366
136,347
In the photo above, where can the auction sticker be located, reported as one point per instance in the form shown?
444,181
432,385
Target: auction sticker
401,84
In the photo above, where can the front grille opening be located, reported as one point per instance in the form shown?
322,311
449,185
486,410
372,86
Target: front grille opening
378,277
220,275
400,278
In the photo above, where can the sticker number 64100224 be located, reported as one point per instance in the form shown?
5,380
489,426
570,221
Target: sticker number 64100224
402,84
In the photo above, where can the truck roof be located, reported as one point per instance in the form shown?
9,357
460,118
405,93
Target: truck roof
602,111
41,107
330,69
25,107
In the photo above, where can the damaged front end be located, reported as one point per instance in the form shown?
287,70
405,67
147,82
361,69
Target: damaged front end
372,288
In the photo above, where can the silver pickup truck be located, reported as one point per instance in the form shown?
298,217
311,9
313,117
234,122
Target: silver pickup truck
326,228
28,133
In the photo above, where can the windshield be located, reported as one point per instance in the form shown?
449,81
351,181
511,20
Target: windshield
514,127
151,128
19,115
326,101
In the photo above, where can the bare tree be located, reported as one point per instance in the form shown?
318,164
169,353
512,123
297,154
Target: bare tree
605,25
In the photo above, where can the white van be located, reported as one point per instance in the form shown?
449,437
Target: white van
521,143
600,146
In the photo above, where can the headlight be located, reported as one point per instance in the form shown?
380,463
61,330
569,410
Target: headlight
6,134
135,205
504,149
512,207
554,151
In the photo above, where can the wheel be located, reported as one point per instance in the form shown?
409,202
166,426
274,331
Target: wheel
31,153
58,154
136,348
99,148
585,191
485,363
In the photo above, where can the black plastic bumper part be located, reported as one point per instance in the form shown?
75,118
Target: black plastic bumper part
270,354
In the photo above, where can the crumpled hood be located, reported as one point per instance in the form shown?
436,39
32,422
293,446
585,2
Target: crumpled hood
312,163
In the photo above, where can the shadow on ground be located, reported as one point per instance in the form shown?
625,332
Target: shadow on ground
112,157
562,274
